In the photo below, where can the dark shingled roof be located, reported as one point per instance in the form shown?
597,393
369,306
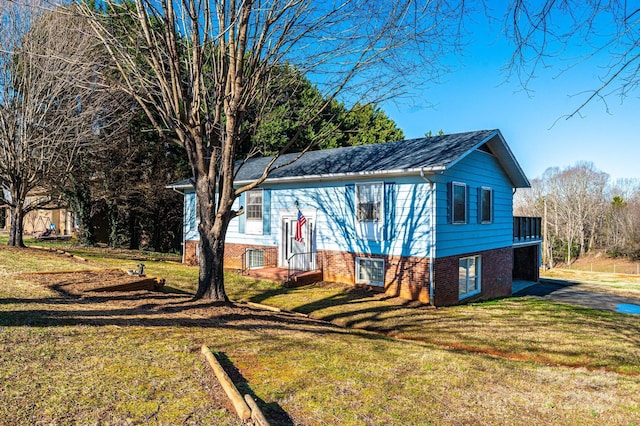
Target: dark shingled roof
430,153
436,151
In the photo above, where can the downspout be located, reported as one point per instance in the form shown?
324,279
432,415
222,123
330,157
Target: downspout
184,242
432,248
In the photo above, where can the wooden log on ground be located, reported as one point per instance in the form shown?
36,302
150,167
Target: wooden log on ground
41,248
155,284
266,307
256,412
241,407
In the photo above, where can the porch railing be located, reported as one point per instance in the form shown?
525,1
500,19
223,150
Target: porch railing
302,262
527,228
253,258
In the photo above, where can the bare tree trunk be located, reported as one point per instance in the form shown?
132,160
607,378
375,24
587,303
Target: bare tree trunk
211,277
15,233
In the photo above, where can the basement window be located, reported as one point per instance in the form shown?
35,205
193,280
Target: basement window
370,271
469,276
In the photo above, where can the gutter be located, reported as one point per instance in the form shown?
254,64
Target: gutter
432,248
332,176
347,176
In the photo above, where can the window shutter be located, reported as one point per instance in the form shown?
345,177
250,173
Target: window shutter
449,202
389,210
190,213
350,194
479,208
242,217
350,208
266,212
467,203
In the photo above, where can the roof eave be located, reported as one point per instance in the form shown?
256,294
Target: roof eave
505,157
511,165
179,187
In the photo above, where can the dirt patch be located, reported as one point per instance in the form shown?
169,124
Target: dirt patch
75,283
146,307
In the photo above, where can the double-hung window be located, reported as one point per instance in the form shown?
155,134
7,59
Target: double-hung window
459,202
469,276
254,205
369,202
486,205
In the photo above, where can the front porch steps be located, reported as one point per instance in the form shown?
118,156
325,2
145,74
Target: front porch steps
280,275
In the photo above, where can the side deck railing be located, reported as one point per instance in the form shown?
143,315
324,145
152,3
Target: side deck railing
527,228
254,258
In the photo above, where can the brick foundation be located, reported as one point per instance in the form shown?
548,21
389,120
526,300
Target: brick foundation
495,279
406,277
232,254
191,252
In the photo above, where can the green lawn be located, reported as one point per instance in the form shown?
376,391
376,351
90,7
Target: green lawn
99,361
603,282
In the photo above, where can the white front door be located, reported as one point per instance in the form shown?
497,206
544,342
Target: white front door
297,255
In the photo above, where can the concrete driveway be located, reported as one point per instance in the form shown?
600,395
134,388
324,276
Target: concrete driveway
567,292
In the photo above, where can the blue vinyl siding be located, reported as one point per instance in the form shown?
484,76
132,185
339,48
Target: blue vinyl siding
190,229
478,169
406,221
407,215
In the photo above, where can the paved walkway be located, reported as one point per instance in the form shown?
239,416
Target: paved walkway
570,293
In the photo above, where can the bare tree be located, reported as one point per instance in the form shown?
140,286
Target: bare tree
52,105
576,207
196,66
621,230
607,34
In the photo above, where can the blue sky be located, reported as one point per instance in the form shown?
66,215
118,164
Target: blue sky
476,95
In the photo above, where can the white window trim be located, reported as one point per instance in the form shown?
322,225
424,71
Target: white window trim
253,219
480,204
367,282
453,204
382,213
478,261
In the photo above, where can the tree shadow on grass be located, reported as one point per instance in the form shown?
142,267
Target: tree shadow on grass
274,413
353,308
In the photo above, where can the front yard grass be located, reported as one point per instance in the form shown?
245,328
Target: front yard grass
510,361
603,282
524,328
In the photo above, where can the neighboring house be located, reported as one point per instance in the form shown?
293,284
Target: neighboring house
428,219
57,220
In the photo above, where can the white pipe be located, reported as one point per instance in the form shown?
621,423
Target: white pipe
432,249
